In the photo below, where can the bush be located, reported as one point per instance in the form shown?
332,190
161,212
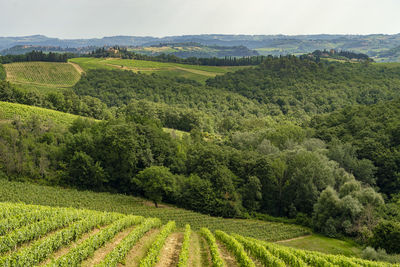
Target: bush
386,235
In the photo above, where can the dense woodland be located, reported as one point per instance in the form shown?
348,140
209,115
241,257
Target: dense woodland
317,143
36,56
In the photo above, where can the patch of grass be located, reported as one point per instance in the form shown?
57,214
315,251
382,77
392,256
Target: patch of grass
325,244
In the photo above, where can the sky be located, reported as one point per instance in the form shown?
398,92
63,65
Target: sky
69,19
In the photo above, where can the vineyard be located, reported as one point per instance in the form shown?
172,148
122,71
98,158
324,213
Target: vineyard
10,111
32,235
198,73
42,74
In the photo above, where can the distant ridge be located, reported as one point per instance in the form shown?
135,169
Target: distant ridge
373,45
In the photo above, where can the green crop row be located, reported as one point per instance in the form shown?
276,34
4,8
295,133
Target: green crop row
41,249
60,218
121,250
53,196
11,209
212,243
76,255
264,256
184,255
236,248
19,220
154,251
49,73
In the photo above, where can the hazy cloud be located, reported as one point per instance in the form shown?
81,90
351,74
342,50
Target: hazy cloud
98,18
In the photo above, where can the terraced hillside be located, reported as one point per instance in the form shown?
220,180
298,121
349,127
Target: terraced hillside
198,73
42,75
32,235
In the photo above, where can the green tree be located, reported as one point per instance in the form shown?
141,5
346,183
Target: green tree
157,182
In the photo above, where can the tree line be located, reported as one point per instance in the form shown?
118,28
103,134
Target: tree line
121,52
37,56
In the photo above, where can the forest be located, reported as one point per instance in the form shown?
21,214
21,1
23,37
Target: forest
36,56
316,143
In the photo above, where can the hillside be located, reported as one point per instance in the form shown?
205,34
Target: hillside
65,237
298,86
247,151
275,45
185,50
198,73
11,111
366,132
43,75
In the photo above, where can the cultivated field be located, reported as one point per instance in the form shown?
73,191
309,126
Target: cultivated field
32,235
43,75
195,72
10,111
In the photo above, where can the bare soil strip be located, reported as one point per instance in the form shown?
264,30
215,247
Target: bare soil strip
99,254
205,253
64,250
169,254
140,249
195,251
287,240
227,256
77,67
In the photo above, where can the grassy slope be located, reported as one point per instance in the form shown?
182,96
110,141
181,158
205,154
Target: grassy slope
9,111
195,72
325,244
42,75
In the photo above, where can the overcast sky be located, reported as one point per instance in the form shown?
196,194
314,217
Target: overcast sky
98,18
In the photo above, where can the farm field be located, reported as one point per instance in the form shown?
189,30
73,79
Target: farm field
33,235
195,72
44,76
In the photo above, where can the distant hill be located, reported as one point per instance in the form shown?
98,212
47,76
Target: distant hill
372,45
191,49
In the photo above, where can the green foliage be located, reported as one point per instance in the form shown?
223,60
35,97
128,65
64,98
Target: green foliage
212,244
184,254
120,251
264,256
65,101
295,86
386,235
156,182
41,249
3,73
9,111
35,230
236,248
352,211
75,256
53,196
373,133
154,251
180,104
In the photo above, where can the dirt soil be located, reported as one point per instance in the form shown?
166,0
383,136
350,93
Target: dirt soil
169,254
140,249
227,256
99,254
